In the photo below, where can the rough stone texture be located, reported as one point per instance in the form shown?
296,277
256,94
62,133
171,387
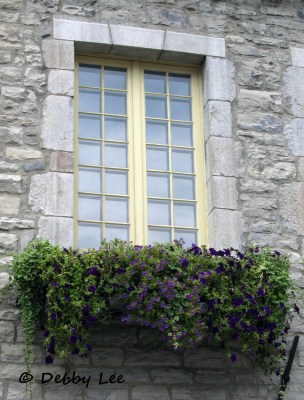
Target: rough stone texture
4,279
291,197
62,162
293,132
8,242
52,194
9,205
217,119
14,153
10,183
57,229
61,82
57,132
150,393
293,95
222,193
58,54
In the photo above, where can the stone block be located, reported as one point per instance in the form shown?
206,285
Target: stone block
293,132
300,169
267,169
14,353
68,393
195,44
7,224
291,198
198,393
9,205
17,391
8,242
219,80
61,82
26,237
52,194
171,376
11,134
258,100
58,53
62,161
4,279
212,378
108,394
135,375
36,79
107,357
58,123
140,38
248,185
56,229
220,157
8,313
225,227
9,167
149,392
217,119
10,183
114,336
17,153
37,166
5,261
151,358
293,95
260,122
297,57
222,193
81,31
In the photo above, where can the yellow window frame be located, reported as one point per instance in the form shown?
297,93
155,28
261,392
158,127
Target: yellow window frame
137,176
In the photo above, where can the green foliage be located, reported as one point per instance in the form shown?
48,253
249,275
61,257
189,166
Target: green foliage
191,295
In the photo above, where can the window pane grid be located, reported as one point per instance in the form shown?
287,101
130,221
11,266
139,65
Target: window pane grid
96,146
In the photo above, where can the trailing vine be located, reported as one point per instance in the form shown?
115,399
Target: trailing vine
191,295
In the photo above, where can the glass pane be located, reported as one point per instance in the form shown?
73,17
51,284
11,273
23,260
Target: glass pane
157,132
117,231
158,185
89,75
156,107
155,82
116,182
89,208
181,134
115,128
89,180
182,160
89,100
116,155
89,235
89,126
116,209
89,153
115,103
115,78
180,109
157,158
183,187
184,214
159,235
188,236
159,212
179,84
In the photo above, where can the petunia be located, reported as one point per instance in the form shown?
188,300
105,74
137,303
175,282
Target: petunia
49,359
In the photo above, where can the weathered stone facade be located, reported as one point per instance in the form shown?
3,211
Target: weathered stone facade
252,56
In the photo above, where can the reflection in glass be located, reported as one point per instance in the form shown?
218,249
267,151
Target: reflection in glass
89,100
184,214
90,180
179,84
89,126
89,208
116,155
159,212
115,78
180,109
89,153
188,236
117,231
116,209
115,103
159,235
89,75
182,160
157,132
183,187
116,182
115,128
157,158
89,235
181,134
156,107
155,82
158,185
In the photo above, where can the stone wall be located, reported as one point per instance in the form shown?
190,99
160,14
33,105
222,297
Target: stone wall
264,44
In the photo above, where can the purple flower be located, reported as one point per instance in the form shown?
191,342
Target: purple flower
54,284
237,302
75,351
196,250
89,347
49,359
53,316
233,358
93,271
235,336
92,288
46,333
67,298
56,268
261,292
73,339
220,269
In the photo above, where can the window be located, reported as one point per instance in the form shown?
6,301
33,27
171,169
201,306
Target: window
139,153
